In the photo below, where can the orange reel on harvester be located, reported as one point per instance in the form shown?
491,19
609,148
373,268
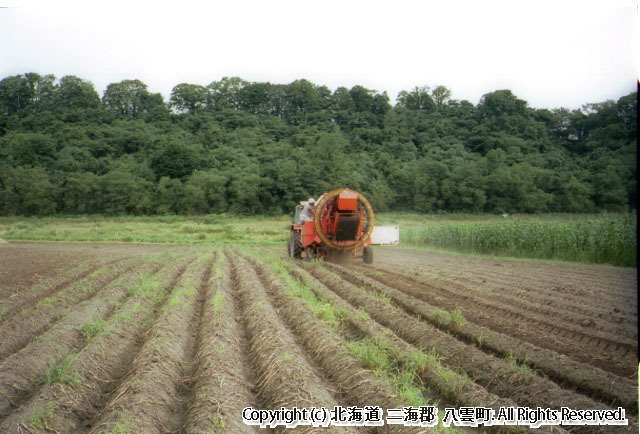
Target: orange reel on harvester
343,219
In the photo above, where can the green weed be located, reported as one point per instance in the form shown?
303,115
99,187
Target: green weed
41,415
92,329
217,302
118,428
523,373
46,302
456,320
483,337
147,288
63,372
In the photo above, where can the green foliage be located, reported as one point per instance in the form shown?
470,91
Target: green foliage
63,372
259,148
189,97
92,329
28,191
41,415
609,239
146,288
175,160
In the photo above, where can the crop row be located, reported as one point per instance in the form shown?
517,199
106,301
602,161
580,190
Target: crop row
182,342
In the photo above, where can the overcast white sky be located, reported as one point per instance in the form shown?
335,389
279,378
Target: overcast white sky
549,53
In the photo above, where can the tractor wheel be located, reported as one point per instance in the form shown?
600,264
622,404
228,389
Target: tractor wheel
295,245
367,255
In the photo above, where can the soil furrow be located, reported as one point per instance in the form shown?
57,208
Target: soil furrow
527,326
286,377
222,386
14,303
603,319
497,375
590,281
589,304
43,359
524,311
618,301
598,384
19,330
99,344
360,387
621,363
147,399
186,391
94,371
454,389
605,276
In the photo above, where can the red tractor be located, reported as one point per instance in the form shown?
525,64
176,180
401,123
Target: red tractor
340,222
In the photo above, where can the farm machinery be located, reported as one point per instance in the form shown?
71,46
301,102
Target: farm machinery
340,222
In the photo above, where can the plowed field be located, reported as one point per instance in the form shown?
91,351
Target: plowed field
108,338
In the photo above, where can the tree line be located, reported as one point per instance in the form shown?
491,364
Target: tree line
259,148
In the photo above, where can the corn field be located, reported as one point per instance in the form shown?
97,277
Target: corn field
610,240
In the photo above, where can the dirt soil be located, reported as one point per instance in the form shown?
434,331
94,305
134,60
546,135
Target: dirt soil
24,263
589,313
179,338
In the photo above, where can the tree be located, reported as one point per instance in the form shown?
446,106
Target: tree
206,192
627,110
417,99
189,97
28,191
225,94
170,194
32,149
75,93
30,90
427,179
302,98
609,190
440,95
154,108
255,98
501,102
81,193
16,94
175,160
257,147
126,98
45,91
124,192
574,195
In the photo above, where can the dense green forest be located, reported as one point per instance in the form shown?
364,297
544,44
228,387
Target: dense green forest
244,147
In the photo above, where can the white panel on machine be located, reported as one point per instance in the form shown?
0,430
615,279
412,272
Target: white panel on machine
385,235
